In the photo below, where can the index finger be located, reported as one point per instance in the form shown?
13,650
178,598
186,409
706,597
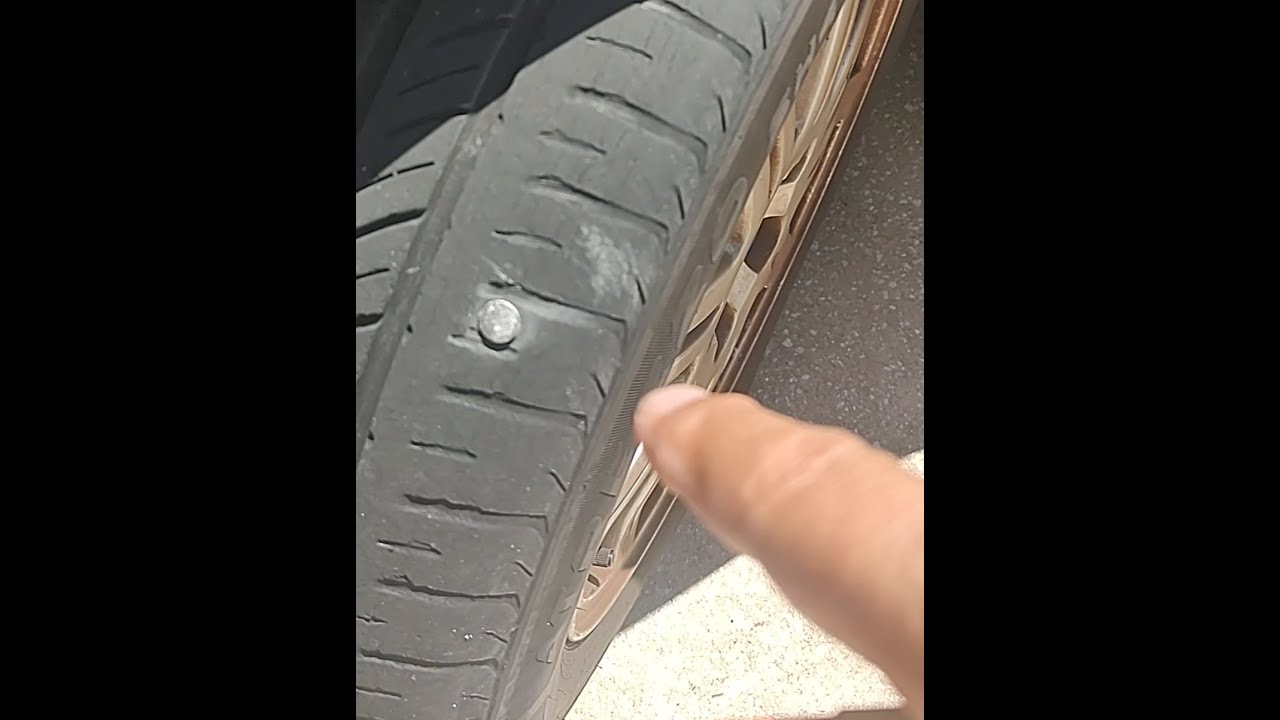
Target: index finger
837,523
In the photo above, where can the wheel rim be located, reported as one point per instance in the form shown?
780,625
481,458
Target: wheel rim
756,259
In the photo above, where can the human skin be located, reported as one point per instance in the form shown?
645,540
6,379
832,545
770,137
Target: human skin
837,523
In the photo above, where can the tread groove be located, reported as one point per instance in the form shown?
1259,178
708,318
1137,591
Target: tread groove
724,121
387,221
506,400
413,546
403,582
506,411
364,320
559,137
410,662
554,187
372,273
526,239
564,488
505,281
703,28
379,691
449,451
560,302
646,120
423,501
620,45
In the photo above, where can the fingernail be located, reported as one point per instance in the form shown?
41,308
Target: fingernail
671,466
662,402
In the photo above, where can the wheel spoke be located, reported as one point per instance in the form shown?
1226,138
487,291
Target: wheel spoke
783,152
696,344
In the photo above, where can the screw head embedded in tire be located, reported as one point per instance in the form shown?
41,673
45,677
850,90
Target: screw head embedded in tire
498,322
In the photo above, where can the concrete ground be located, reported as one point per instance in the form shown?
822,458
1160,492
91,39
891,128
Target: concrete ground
709,638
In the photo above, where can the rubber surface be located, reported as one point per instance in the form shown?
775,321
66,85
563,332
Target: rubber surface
579,159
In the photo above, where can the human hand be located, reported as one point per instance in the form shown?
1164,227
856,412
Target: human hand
837,523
